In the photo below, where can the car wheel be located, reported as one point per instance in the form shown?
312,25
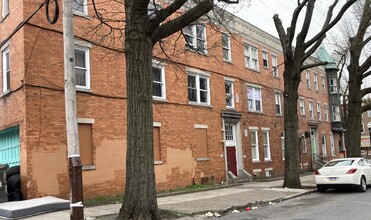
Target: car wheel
321,188
362,185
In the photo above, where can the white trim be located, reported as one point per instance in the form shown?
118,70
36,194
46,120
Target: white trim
254,85
228,79
5,45
162,83
253,128
86,51
265,129
85,120
200,126
196,71
156,124
268,169
82,43
257,170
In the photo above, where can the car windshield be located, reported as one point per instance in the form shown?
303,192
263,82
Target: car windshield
338,163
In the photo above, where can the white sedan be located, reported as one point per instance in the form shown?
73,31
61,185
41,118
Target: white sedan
345,172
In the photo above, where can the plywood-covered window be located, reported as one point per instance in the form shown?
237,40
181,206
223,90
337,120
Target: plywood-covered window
86,144
156,144
201,143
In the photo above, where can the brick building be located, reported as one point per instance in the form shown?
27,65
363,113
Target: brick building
218,111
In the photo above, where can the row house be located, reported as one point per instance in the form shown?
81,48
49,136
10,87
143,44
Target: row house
217,105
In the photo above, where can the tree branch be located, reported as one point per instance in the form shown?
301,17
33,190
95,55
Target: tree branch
366,65
313,48
285,40
366,74
308,66
366,41
365,91
307,20
182,21
165,13
325,28
295,15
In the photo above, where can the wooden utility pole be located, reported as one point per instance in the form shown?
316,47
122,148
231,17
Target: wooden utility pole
74,162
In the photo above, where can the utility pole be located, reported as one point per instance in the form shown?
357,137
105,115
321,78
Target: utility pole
74,162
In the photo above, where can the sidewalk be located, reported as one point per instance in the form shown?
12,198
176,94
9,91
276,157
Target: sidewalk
198,203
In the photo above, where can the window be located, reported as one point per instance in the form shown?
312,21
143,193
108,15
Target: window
311,112
229,94
307,77
198,89
304,143
80,6
201,142
336,113
333,85
266,144
369,114
275,66
362,128
254,99
265,59
251,57
315,80
86,144
158,83
283,145
254,145
323,84
156,144
82,67
302,107
319,112
6,69
226,45
278,103
5,8
324,149
325,109
196,37
332,144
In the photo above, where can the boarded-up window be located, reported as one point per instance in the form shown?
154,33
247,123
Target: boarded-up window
201,143
156,144
86,145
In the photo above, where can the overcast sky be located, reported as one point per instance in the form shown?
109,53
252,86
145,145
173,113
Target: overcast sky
260,13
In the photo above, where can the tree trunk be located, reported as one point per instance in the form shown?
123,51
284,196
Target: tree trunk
292,171
353,124
140,200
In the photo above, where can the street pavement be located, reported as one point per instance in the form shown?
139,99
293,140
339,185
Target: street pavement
196,204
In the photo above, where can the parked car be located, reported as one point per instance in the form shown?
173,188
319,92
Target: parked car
345,172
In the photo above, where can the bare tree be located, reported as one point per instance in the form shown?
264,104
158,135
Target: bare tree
294,58
145,24
358,69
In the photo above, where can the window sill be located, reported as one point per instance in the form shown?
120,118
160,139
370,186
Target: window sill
266,67
267,160
257,112
7,92
202,159
230,107
254,70
256,161
200,104
196,51
227,61
4,17
279,115
159,99
158,162
81,14
79,89
88,167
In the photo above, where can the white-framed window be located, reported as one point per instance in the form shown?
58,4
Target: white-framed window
362,128
323,84
80,7
315,80
198,89
275,66
4,8
265,59
196,37
307,79
254,99
251,57
277,97
311,111
302,106
324,148
319,113
158,80
325,109
333,85
82,67
336,113
254,145
283,145
304,143
332,144
6,69
369,114
266,145
226,45
229,96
